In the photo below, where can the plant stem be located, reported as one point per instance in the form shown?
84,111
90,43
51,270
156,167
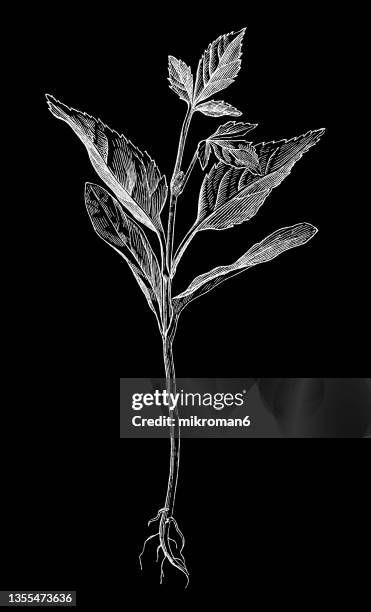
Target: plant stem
169,323
173,194
188,237
174,429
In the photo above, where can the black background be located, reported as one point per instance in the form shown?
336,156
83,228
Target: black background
76,501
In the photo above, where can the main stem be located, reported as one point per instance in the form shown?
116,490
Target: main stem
169,320
168,317
174,428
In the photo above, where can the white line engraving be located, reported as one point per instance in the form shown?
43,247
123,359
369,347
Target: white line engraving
233,190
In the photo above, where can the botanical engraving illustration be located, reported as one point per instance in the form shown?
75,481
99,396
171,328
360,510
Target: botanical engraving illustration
133,209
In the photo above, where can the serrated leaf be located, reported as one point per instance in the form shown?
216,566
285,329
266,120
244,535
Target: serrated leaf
221,138
217,108
227,188
218,66
127,238
240,154
232,129
273,245
180,79
132,175
276,159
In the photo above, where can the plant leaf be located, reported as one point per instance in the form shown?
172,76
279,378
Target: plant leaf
234,212
230,189
232,129
239,154
218,66
127,238
217,108
276,160
273,245
180,79
203,153
228,130
221,205
132,175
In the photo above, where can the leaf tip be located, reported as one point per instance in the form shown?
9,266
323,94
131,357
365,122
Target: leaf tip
317,134
313,229
240,34
57,108
50,100
308,230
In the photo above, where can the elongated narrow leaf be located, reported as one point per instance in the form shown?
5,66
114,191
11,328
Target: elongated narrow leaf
230,188
217,108
127,238
273,245
218,66
180,79
132,175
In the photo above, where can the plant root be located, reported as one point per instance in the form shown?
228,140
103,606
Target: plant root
171,549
